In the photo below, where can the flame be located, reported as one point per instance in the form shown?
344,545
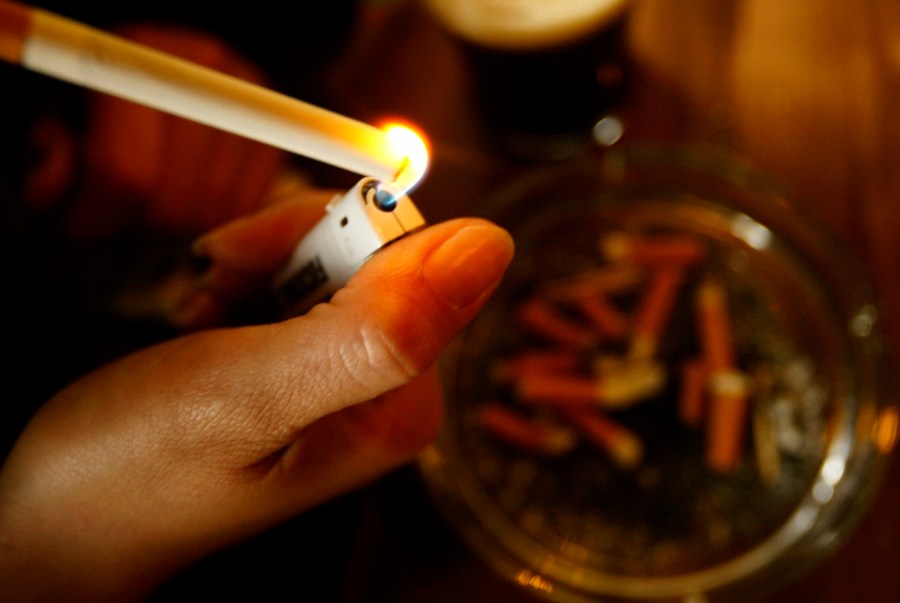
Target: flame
411,143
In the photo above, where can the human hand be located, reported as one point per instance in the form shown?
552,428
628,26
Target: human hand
137,167
168,454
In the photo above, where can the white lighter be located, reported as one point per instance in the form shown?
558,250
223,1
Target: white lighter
356,224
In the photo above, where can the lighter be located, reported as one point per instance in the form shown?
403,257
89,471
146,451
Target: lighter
356,224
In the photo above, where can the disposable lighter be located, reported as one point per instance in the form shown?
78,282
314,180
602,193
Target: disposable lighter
368,217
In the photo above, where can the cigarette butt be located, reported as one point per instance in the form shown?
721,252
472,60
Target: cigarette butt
645,250
556,389
604,315
610,364
535,361
526,433
714,325
728,387
765,446
654,311
623,445
601,281
543,318
632,383
726,419
692,396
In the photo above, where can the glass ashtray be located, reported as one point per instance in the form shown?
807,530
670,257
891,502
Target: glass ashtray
677,394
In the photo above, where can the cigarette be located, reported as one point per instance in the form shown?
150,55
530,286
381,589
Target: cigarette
728,387
67,50
623,445
652,250
715,325
727,417
654,311
610,364
535,361
545,319
692,396
633,382
765,445
604,315
526,433
606,280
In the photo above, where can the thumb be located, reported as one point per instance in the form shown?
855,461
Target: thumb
179,448
394,317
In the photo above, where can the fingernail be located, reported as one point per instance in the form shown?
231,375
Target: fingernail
210,242
200,245
468,265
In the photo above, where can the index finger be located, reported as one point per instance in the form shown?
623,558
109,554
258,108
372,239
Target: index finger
244,254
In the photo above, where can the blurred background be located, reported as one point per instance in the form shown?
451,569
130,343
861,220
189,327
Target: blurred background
807,91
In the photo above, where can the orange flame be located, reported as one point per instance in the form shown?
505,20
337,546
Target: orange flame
410,142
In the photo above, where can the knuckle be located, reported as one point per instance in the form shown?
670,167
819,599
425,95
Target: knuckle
387,353
392,347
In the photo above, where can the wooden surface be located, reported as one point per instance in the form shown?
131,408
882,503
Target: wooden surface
809,90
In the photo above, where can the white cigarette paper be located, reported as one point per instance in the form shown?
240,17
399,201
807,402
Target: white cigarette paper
73,52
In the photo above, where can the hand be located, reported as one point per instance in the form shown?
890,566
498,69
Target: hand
168,454
140,168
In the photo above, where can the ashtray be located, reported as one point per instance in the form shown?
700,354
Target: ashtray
677,394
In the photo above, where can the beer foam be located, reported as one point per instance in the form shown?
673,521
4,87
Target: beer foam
524,24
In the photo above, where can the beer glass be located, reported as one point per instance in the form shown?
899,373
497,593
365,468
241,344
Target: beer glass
543,72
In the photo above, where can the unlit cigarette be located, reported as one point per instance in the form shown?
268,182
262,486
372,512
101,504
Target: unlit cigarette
67,50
